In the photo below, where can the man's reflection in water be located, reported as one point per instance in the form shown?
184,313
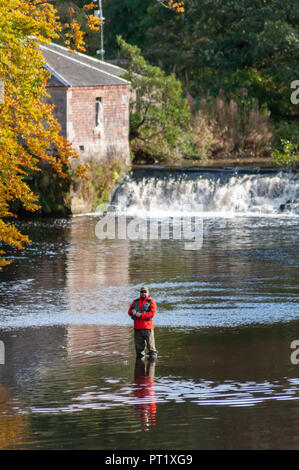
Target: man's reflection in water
145,392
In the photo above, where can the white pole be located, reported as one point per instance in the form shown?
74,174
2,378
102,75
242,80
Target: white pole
99,14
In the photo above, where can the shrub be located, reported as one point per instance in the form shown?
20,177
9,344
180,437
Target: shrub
224,128
100,181
287,155
287,131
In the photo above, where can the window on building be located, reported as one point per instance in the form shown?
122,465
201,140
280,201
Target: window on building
99,114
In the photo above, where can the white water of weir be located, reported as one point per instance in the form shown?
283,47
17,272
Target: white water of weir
220,195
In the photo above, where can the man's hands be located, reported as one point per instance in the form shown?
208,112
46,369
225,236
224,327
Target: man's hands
135,313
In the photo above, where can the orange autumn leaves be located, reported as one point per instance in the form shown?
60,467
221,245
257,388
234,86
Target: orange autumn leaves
179,7
28,130
94,22
29,133
72,30
74,34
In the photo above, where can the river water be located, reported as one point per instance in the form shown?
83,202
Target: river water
227,376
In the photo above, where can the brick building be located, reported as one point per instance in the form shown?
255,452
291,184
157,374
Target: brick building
91,103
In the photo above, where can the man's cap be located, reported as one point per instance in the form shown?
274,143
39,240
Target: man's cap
144,288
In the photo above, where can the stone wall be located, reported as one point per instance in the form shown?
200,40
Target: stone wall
58,96
108,138
75,109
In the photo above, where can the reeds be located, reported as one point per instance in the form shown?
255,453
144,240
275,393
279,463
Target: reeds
224,128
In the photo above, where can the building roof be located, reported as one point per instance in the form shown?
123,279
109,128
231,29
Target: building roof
76,69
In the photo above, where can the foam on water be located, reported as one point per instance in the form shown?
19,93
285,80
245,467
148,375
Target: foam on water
220,196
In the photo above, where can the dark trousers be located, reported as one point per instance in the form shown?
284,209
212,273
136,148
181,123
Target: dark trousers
145,338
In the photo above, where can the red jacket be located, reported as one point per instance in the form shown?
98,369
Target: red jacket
148,308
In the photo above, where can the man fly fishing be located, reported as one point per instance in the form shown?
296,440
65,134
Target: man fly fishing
142,311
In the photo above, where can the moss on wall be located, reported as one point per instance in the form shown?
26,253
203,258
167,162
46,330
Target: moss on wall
102,178
60,197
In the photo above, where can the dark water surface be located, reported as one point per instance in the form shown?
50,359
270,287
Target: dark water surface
227,315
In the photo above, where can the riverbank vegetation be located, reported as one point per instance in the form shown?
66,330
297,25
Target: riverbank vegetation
165,126
62,196
159,113
236,62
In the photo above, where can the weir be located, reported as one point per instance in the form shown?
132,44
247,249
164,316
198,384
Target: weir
219,192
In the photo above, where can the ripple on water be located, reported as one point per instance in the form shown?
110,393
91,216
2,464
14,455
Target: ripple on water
203,393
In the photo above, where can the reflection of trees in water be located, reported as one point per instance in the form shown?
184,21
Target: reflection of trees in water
145,393
12,424
247,353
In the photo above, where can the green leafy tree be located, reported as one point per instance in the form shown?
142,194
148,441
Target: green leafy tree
124,18
287,155
232,44
159,113
74,10
212,45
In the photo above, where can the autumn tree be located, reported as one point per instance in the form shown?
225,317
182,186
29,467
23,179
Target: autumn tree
28,131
